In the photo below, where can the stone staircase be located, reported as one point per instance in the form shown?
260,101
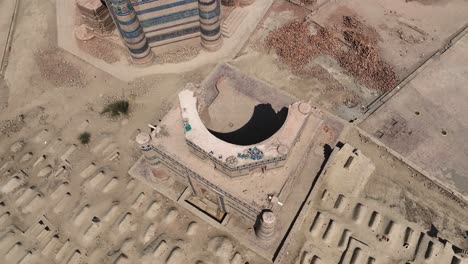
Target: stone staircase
233,21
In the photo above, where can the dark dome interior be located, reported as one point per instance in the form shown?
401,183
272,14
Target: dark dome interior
264,123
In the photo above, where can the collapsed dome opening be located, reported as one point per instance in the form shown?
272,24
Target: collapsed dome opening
263,124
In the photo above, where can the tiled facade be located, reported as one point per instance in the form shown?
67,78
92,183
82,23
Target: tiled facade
168,21
129,26
144,24
210,24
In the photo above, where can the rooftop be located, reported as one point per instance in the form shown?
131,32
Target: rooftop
252,189
276,146
425,121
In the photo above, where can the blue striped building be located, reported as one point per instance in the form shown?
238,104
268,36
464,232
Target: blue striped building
151,23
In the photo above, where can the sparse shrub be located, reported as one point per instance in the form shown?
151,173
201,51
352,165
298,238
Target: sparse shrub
84,138
116,108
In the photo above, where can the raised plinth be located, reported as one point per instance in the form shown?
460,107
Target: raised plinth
128,71
266,229
95,16
237,160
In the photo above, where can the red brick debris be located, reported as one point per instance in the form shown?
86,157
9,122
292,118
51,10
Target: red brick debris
296,46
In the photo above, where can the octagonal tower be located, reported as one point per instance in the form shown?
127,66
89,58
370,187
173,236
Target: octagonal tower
130,29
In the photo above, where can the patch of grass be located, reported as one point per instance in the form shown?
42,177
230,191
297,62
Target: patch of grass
116,108
84,138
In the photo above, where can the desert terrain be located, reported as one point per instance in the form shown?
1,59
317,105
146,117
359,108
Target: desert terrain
392,72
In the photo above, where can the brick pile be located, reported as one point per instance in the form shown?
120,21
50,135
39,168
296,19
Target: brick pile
95,16
358,55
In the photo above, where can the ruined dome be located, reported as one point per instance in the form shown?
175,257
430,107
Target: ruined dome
263,124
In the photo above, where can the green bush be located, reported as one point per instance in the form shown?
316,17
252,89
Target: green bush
116,108
84,138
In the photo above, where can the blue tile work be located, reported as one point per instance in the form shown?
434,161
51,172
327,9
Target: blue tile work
146,148
142,2
174,34
207,3
210,33
132,34
121,8
140,51
169,18
210,24
157,18
118,2
210,14
176,25
162,7
134,38
251,153
128,23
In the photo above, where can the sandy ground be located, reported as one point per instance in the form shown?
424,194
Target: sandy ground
395,25
430,119
6,19
400,196
51,89
409,31
322,82
127,71
54,90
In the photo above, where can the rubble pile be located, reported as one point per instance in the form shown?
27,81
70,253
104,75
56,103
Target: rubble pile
11,126
362,59
296,46
56,69
292,44
178,55
102,49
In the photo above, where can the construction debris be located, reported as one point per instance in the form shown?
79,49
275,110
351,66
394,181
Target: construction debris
296,46
57,70
292,43
102,49
178,55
